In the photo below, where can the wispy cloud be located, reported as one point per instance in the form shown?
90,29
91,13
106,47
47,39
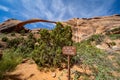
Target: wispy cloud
91,8
4,8
39,9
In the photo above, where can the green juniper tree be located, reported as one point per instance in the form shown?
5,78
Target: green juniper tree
49,51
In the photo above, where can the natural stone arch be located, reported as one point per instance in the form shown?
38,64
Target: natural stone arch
16,25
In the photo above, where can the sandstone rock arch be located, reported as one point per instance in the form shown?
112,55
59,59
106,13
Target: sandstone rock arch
17,25
34,21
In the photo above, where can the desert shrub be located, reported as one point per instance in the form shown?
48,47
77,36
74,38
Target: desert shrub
30,36
5,32
25,51
21,45
29,43
115,30
2,35
26,47
9,61
22,32
114,33
114,36
77,75
13,42
98,38
112,43
13,34
4,39
96,60
49,52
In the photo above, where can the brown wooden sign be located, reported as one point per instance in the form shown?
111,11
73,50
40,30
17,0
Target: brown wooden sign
69,50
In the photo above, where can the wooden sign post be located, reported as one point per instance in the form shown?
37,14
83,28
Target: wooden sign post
70,51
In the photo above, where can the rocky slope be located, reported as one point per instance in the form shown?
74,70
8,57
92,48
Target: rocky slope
107,26
85,27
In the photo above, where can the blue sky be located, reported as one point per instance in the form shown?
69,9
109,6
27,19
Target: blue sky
56,10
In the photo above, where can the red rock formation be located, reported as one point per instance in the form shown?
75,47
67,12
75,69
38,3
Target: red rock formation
85,27
16,25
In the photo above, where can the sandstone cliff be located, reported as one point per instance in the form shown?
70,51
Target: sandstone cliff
85,27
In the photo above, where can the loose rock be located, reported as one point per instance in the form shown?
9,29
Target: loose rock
53,75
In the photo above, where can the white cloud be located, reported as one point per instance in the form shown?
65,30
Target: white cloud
4,8
38,9
91,8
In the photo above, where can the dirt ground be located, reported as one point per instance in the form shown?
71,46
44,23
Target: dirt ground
29,71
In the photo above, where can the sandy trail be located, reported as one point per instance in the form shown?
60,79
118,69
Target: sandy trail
29,71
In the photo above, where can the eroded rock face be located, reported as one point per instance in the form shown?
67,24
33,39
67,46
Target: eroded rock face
11,25
85,27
